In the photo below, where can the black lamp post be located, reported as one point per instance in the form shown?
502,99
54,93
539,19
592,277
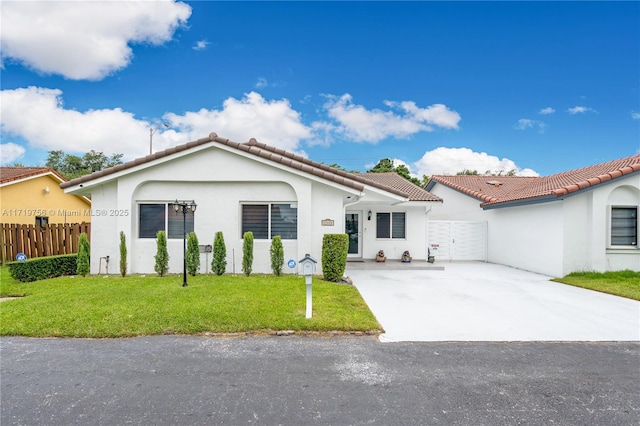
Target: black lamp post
184,206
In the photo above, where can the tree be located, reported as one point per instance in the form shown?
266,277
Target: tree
84,252
386,166
277,255
162,255
247,253
219,261
123,254
193,254
73,166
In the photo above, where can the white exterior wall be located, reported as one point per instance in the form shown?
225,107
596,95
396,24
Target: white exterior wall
219,182
527,237
415,233
455,205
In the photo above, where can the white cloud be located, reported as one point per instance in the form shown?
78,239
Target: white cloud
10,152
201,45
449,161
262,83
271,122
38,115
361,125
525,123
579,110
84,39
635,115
546,111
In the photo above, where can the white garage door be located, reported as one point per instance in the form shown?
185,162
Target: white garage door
458,240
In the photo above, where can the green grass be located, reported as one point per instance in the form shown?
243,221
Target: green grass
137,305
620,283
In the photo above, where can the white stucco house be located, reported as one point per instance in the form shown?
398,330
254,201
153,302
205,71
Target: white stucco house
580,220
250,186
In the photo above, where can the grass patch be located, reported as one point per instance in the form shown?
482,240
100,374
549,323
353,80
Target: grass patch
94,306
619,283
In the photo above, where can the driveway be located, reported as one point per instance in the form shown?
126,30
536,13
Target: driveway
476,301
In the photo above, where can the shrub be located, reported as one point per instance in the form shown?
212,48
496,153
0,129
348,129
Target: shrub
219,261
247,253
123,254
193,254
277,255
41,268
334,256
84,252
162,255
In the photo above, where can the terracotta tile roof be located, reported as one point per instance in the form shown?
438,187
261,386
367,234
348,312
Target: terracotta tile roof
498,190
394,180
9,174
253,147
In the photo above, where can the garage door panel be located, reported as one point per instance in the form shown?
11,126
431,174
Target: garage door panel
458,240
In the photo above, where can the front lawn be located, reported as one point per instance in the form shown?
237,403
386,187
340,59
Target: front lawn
620,283
146,305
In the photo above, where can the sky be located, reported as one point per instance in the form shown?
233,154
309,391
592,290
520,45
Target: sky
533,87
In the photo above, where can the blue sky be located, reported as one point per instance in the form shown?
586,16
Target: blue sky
539,87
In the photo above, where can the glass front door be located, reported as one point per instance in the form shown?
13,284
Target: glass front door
352,229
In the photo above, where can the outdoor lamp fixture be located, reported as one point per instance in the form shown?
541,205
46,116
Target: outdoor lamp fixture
369,215
184,207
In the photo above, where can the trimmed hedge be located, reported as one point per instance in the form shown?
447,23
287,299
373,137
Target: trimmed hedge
334,256
41,268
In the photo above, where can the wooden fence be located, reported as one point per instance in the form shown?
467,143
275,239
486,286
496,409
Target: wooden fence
36,241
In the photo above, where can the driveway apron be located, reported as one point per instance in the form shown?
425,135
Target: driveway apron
476,301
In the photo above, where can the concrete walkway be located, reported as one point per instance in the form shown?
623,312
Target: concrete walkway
476,301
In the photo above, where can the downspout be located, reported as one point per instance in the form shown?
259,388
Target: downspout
427,210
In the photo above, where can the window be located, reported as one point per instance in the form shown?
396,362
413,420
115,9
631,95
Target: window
391,225
268,220
42,221
162,217
624,226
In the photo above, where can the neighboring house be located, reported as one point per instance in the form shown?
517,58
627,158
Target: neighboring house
581,220
32,196
241,187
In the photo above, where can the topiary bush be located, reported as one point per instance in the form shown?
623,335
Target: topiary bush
83,264
277,255
41,268
334,256
193,254
219,261
247,253
123,254
162,255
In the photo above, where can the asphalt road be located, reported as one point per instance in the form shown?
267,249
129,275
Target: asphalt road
295,380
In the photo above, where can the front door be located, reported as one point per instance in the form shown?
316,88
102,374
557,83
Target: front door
353,228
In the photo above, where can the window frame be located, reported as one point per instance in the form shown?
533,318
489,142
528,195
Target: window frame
168,212
391,231
610,227
270,228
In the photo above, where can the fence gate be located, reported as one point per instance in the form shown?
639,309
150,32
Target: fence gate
457,240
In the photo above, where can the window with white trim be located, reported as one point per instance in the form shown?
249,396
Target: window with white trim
391,225
154,217
624,226
268,220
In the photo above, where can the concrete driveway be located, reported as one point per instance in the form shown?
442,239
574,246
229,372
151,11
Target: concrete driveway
476,301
